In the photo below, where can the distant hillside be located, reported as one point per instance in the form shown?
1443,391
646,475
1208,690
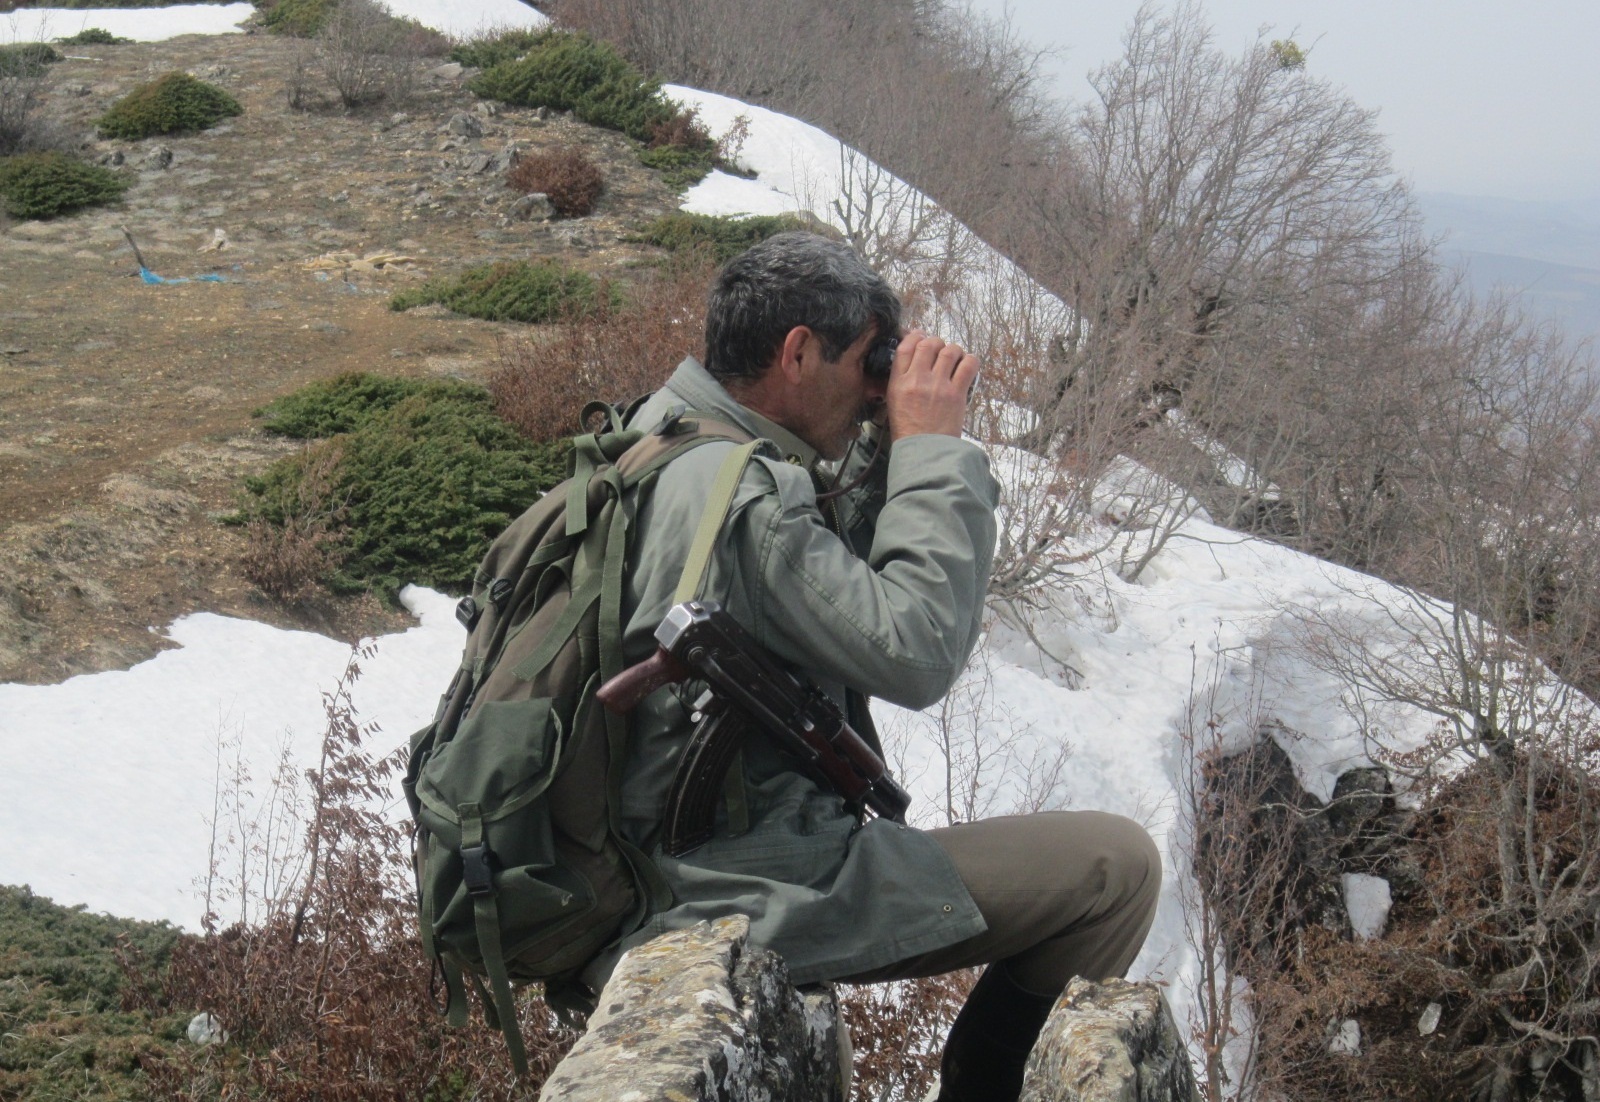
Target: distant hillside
1548,253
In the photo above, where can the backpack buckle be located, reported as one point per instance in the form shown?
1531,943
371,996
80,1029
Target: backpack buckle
477,872
673,423
499,590
467,612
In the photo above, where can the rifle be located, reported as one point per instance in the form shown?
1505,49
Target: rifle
746,687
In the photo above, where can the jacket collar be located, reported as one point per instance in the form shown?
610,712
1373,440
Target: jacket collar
695,386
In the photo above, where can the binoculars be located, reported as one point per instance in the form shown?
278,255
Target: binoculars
880,357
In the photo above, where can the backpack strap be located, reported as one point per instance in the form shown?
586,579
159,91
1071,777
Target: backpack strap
486,912
718,501
656,894
690,584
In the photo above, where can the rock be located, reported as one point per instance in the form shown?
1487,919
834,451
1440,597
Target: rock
1345,1038
1430,1018
1359,797
206,1029
158,158
115,157
450,70
488,108
533,207
1112,1041
1367,900
478,163
696,1015
464,125
507,158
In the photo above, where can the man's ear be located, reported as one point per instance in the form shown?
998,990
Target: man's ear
793,352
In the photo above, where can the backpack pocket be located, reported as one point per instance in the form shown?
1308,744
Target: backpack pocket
485,827
501,758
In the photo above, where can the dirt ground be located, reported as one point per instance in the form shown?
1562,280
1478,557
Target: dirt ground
125,407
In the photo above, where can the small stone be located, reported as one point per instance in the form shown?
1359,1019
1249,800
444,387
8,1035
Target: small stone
543,113
487,108
1346,1039
479,163
465,125
1367,900
159,158
115,157
206,1029
399,117
1430,1019
450,70
534,207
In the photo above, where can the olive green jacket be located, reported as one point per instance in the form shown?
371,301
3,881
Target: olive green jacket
897,621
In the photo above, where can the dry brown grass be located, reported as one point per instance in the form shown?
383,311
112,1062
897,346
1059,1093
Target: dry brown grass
328,997
612,353
287,560
1511,961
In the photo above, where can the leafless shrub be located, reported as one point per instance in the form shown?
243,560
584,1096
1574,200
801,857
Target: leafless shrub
566,175
24,86
287,559
613,353
683,130
300,88
367,54
898,1031
328,994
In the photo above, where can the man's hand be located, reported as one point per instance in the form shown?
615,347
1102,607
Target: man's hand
928,387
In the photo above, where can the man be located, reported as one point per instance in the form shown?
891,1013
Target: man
878,592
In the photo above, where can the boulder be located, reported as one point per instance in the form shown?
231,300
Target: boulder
697,1015
533,207
464,125
1112,1041
507,158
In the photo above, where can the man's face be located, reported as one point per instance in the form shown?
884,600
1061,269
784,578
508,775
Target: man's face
839,396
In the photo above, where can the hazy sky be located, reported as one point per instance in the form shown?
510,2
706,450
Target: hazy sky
1478,97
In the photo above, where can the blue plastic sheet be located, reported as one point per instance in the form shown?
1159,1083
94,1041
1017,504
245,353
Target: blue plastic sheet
150,277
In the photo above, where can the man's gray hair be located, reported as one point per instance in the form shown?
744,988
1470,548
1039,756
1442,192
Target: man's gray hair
788,280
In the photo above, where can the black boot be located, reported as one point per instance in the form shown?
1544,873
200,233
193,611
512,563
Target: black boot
988,1046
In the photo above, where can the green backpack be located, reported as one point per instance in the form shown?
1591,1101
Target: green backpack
522,871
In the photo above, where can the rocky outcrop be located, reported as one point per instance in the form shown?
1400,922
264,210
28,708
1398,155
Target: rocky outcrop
698,1016
1112,1041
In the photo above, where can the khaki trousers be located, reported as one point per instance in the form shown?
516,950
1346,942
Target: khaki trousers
1064,893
